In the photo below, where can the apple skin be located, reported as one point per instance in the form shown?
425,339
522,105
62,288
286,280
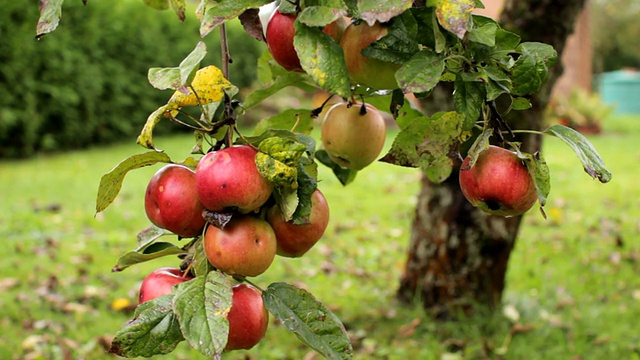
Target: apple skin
498,183
229,179
171,201
248,318
279,38
160,282
372,73
246,246
294,240
351,139
280,33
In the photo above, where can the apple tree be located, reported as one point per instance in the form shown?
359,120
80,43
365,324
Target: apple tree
239,201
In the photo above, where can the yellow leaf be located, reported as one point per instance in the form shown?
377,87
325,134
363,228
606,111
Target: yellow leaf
209,85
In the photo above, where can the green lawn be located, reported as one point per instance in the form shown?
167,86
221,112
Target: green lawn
572,281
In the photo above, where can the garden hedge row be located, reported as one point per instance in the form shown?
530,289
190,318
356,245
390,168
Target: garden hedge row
86,83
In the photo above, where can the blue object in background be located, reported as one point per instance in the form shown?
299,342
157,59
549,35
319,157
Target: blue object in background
622,89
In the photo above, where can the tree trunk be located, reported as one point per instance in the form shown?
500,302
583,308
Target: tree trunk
458,256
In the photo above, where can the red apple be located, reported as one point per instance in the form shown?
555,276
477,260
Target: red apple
160,282
353,134
499,183
279,37
248,318
229,179
373,73
294,240
171,201
246,246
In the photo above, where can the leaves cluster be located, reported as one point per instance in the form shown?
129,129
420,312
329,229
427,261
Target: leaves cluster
432,42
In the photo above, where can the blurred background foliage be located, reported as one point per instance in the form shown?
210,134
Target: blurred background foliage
86,83
615,33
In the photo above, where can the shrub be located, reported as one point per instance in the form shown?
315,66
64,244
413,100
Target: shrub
86,83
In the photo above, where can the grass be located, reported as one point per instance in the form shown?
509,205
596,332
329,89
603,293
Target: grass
573,290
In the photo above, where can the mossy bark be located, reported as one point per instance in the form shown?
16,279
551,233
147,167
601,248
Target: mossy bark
458,256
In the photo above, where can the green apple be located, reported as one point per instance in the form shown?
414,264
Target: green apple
353,134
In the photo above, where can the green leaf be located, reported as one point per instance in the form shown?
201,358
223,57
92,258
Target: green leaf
485,34
150,234
111,182
298,120
319,16
154,330
157,4
177,78
382,11
506,40
201,264
520,103
468,99
50,13
399,44
214,13
531,69
539,171
148,252
427,143
345,176
279,83
421,73
454,15
310,320
322,58
592,161
307,185
202,305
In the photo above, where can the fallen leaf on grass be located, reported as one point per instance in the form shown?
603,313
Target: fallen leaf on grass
409,329
8,284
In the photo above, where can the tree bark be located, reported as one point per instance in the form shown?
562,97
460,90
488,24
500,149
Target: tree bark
458,255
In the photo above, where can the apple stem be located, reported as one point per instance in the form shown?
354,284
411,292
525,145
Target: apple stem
224,45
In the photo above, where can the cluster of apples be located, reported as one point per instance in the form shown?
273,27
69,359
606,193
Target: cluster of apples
353,38
353,134
228,180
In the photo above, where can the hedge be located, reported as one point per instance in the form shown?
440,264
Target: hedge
86,83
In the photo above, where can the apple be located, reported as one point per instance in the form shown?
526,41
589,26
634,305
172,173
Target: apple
171,201
353,134
280,33
160,282
369,72
279,38
294,240
248,318
246,246
499,182
228,179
